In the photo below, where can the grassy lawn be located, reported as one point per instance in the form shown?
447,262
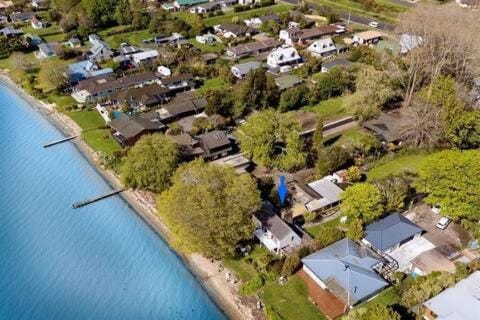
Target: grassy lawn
50,34
347,138
317,230
215,83
278,8
290,301
206,48
329,109
131,37
387,297
388,11
62,101
87,119
241,267
101,140
396,165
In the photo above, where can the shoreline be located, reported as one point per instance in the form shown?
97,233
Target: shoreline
224,294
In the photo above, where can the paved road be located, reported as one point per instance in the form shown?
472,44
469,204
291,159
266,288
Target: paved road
353,17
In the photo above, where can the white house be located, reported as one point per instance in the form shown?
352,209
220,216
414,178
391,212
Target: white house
322,48
367,37
144,56
207,38
273,232
37,23
283,57
45,50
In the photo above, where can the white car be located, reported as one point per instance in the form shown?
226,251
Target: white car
374,24
443,223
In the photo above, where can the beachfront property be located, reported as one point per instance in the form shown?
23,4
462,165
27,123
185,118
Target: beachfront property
128,129
274,233
141,98
343,275
101,86
85,69
458,302
241,70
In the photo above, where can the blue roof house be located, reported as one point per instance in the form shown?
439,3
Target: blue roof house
346,270
85,69
390,233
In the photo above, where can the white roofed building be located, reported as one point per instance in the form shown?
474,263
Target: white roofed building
283,57
322,48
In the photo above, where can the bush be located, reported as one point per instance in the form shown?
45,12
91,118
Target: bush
291,265
252,285
271,314
310,216
326,237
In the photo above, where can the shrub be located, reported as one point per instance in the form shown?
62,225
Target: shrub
326,237
252,285
271,314
310,216
291,264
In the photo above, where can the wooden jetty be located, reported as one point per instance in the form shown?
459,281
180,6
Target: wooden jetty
92,200
59,141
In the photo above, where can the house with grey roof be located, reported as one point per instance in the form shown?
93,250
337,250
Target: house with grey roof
128,129
181,109
19,17
319,195
215,144
390,127
241,70
287,81
252,48
179,83
45,50
99,50
8,32
390,233
460,302
274,233
346,270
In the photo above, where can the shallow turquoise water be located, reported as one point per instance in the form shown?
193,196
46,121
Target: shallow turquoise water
96,262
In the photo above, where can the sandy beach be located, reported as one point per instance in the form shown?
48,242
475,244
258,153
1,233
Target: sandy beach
223,292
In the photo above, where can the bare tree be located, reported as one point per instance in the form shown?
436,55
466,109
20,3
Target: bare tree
449,45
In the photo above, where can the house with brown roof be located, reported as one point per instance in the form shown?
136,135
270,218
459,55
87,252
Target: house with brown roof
141,98
215,144
252,48
182,82
298,35
128,129
104,85
181,109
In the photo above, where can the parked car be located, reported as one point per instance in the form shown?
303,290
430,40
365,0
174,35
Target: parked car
443,223
374,24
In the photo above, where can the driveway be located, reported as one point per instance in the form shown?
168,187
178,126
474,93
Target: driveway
453,235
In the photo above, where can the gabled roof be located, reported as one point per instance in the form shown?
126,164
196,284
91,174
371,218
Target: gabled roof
346,269
252,47
174,79
460,302
269,220
285,54
246,67
146,95
213,140
390,231
322,45
390,127
130,127
177,108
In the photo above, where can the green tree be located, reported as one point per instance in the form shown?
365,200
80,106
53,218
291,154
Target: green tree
219,102
272,140
102,12
51,76
209,208
259,91
375,311
362,201
331,84
291,265
123,12
355,229
150,163
354,174
394,190
331,159
373,90
317,139
450,180
293,98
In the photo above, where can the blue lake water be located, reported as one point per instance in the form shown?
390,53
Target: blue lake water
96,262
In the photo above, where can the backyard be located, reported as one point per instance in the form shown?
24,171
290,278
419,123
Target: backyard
396,164
330,109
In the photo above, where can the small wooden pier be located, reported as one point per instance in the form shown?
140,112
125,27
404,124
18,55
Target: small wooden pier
92,200
59,141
